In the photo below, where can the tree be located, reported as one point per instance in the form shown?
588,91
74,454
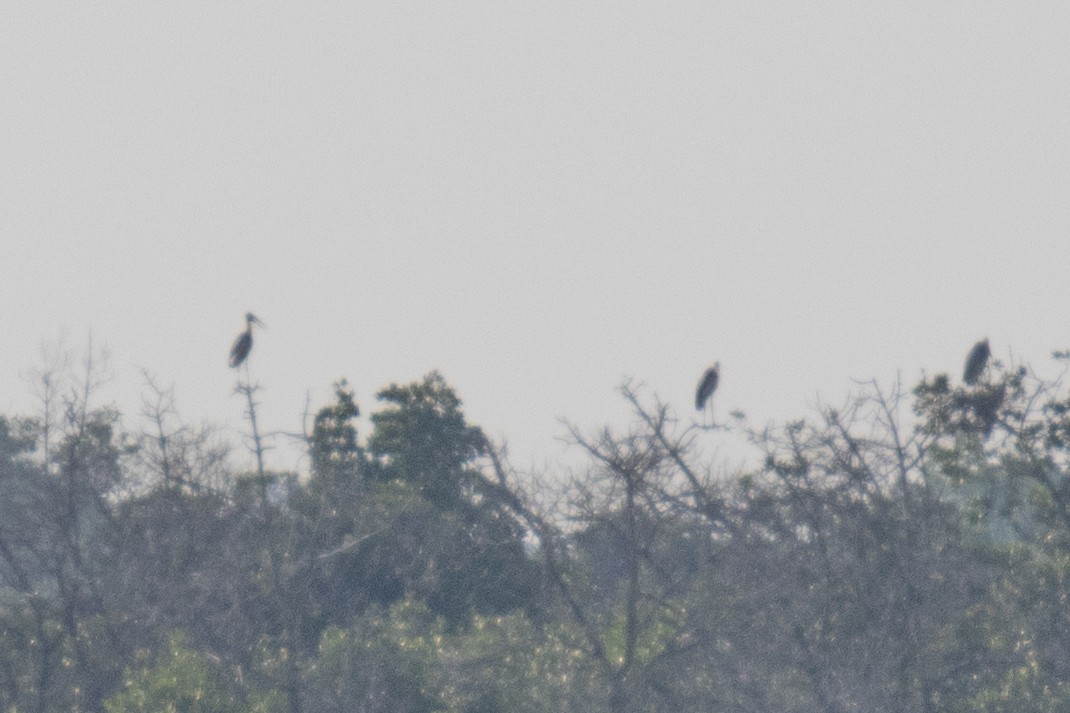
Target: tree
832,577
336,455
1004,445
182,680
55,544
422,438
870,585
468,543
904,552
629,565
377,664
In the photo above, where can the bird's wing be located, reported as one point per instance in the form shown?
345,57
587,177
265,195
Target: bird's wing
240,350
975,363
705,388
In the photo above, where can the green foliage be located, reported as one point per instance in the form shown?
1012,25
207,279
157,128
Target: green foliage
91,452
867,562
33,649
1027,633
17,439
972,410
180,680
470,554
380,664
335,453
422,438
404,658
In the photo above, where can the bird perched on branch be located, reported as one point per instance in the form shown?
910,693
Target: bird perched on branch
244,343
976,362
707,385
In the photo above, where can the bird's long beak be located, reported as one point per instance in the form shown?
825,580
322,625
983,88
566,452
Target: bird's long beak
259,323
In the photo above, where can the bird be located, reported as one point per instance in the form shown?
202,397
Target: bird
707,385
976,361
244,343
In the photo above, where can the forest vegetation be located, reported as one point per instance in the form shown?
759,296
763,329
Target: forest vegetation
908,551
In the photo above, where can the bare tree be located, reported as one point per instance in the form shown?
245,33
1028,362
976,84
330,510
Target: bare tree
625,545
180,455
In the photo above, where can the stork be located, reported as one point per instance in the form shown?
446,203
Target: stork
244,343
976,361
707,386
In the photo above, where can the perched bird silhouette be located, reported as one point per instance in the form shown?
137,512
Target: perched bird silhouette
707,385
976,361
244,343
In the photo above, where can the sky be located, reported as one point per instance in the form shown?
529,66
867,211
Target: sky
537,199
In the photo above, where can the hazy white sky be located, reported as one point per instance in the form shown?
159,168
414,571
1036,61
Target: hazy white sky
537,199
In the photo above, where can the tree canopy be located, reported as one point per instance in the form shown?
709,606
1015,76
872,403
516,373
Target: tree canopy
906,551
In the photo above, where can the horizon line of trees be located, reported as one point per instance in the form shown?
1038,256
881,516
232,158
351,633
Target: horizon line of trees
906,552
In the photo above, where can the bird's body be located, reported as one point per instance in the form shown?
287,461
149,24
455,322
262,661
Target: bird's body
976,362
244,343
707,385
